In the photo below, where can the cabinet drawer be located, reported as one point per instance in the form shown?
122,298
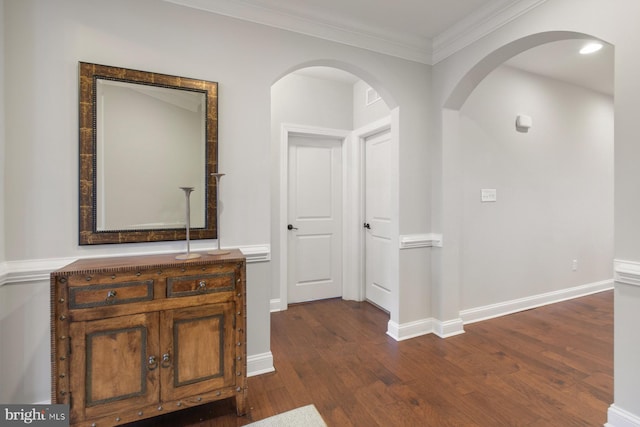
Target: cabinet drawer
111,294
200,284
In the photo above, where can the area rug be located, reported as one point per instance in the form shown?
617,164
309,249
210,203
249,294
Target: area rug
307,416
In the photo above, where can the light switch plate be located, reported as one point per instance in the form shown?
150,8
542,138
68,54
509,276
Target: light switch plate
488,195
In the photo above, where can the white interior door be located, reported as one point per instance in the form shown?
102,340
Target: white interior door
378,283
314,218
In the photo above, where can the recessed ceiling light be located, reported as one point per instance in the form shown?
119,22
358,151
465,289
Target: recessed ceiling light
591,48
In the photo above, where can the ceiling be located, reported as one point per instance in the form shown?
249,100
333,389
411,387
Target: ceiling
425,31
562,61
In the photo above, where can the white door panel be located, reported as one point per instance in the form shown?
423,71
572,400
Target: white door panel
314,255
378,288
315,212
314,190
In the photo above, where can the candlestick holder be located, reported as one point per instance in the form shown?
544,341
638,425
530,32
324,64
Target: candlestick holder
218,251
188,255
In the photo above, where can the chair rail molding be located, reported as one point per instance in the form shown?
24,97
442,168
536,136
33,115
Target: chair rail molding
26,271
411,241
627,272
38,270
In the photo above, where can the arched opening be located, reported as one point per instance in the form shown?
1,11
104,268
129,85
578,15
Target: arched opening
496,58
552,222
313,106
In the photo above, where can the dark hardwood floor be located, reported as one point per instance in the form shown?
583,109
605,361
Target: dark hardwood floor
551,366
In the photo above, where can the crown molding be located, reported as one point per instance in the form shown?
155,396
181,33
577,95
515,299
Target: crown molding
405,47
479,24
459,36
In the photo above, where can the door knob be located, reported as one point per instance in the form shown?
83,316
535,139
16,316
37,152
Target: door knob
367,226
166,360
111,296
291,227
153,363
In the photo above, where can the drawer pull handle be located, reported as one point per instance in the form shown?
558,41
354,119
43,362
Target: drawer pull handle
166,360
202,286
111,296
153,363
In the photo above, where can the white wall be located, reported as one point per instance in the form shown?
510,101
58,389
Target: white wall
2,141
44,40
454,77
3,296
364,114
554,186
24,328
305,100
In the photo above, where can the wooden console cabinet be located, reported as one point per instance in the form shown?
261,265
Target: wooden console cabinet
136,337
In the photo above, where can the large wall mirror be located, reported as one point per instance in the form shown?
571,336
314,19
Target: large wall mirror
143,136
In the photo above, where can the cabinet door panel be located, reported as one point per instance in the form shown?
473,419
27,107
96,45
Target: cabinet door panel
200,348
112,360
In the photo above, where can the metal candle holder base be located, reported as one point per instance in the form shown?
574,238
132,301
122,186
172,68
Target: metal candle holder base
188,256
219,252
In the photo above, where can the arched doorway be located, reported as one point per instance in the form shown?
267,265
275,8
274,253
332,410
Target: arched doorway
345,105
453,146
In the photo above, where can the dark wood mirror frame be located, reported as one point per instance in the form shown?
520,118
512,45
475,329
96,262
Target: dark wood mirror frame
88,74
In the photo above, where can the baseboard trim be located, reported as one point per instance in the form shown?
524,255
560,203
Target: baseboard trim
260,364
405,331
618,417
448,328
509,307
275,305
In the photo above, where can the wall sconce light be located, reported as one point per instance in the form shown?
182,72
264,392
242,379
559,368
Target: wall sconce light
523,123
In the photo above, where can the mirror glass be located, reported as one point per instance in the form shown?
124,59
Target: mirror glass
131,192
143,136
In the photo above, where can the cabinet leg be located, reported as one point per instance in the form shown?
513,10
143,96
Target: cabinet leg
241,403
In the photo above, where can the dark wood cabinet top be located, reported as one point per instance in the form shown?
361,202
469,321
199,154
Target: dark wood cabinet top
141,262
